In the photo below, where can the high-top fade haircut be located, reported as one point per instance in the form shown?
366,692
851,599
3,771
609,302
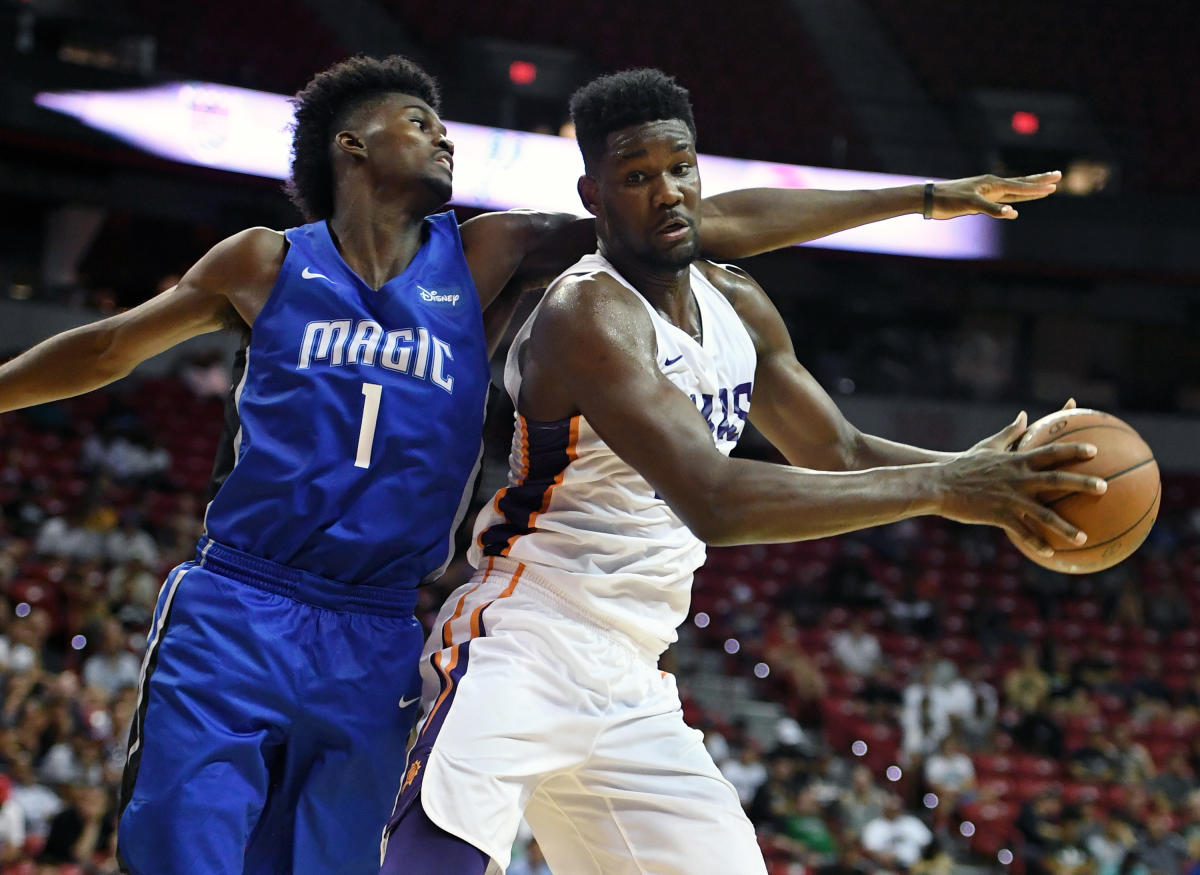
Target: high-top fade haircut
323,107
618,100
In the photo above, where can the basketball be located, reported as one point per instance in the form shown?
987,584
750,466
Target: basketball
1116,522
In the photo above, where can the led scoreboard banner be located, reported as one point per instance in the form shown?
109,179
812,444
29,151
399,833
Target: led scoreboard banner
247,131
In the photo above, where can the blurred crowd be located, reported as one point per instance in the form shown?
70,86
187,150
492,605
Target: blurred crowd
943,703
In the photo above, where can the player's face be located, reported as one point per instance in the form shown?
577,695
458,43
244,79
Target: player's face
407,142
648,194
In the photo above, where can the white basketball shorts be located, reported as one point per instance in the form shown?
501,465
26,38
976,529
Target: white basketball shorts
534,708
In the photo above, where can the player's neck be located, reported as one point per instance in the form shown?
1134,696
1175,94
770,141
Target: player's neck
377,241
669,289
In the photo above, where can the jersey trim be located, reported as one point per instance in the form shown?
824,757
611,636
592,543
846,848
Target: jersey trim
547,449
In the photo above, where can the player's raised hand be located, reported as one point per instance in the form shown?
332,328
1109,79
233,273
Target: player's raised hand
990,195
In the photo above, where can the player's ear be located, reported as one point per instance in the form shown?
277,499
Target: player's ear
586,186
350,143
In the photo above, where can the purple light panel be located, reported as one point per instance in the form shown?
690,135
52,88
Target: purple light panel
248,131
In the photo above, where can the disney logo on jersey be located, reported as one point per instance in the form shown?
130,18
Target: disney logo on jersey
432,297
726,412
413,351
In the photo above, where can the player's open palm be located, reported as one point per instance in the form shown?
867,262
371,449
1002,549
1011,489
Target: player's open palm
993,486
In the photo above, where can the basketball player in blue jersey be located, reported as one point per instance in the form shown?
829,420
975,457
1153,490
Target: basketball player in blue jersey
632,380
280,679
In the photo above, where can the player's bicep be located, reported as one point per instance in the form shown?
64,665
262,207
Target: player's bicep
243,266
799,418
608,369
501,246
790,407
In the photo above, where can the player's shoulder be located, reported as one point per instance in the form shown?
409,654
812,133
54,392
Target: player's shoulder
248,259
730,280
590,311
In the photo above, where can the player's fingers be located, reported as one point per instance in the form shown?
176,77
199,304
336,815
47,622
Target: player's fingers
989,208
1070,405
1038,178
1017,528
1067,481
1017,197
1044,518
1059,454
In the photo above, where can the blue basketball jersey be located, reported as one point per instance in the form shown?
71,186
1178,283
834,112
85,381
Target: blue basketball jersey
360,415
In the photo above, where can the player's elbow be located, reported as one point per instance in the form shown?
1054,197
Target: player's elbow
710,521
107,357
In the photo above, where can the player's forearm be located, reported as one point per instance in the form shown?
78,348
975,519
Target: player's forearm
754,502
877,452
67,364
741,223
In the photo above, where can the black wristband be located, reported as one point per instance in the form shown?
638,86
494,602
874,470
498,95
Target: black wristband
927,206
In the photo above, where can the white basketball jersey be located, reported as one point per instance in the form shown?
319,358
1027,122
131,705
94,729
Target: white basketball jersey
586,520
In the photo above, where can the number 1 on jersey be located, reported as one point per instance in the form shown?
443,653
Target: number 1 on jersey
366,433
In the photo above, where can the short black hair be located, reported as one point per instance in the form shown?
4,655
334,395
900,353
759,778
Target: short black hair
618,100
325,103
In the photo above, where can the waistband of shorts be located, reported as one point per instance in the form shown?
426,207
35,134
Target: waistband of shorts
640,646
303,586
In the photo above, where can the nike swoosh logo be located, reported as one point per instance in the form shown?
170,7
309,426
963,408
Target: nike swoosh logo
309,274
404,703
670,362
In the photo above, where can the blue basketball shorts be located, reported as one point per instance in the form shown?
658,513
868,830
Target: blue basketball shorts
272,718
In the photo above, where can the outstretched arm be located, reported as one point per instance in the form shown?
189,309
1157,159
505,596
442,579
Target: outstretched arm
592,351
534,247
232,279
741,223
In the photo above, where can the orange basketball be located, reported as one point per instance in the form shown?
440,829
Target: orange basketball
1116,522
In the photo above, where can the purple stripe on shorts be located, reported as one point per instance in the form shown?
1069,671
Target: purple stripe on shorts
414,774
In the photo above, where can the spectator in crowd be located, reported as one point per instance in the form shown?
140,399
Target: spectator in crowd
83,831
37,800
773,800
895,838
881,694
128,455
856,649
1110,845
112,667
130,541
1027,686
935,860
1160,849
1177,781
1037,824
12,824
913,613
806,834
949,772
922,731
70,536
746,771
1094,670
1070,855
977,727
1133,762
1096,760
1146,695
861,802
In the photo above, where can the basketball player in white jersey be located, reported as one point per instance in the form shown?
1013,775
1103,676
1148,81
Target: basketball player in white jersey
632,381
